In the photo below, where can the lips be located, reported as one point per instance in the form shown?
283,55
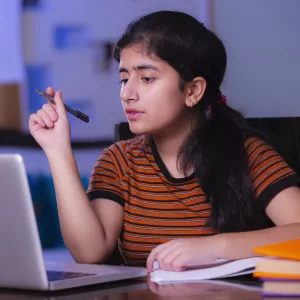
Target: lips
133,114
132,111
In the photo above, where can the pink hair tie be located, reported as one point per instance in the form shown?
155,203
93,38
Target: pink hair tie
223,99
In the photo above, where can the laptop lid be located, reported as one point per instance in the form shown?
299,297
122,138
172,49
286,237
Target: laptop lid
21,257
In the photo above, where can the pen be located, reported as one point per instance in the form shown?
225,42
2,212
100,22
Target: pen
80,115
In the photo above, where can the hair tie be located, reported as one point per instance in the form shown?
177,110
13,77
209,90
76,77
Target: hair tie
223,99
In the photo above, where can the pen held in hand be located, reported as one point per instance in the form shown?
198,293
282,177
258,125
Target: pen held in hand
80,115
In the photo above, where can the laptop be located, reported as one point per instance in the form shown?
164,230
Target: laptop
21,258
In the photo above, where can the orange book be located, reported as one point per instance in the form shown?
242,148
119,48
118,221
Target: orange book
289,250
276,275
277,268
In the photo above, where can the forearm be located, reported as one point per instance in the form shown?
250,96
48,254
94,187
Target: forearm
240,245
82,231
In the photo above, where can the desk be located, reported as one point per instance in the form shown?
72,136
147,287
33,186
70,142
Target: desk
146,290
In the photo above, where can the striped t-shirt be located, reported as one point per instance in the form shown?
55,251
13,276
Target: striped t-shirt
158,207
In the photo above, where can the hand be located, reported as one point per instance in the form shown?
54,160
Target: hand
50,125
177,254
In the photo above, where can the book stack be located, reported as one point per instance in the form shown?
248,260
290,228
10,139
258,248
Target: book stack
279,269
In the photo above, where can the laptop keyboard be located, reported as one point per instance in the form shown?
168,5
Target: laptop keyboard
61,275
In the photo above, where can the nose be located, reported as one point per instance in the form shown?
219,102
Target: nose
129,91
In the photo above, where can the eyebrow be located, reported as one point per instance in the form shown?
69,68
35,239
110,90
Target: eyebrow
139,68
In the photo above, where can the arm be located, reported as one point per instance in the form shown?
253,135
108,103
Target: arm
275,188
274,185
88,230
283,210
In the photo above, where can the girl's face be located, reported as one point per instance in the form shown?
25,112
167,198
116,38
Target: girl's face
151,96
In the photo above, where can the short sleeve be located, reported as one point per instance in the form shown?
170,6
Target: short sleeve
269,172
105,181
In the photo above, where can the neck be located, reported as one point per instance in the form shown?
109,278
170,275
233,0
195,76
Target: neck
169,141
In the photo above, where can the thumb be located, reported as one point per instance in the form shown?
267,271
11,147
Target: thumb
60,107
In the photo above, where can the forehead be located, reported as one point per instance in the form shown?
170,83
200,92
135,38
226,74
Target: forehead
135,55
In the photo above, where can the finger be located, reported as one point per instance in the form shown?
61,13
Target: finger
162,256
51,112
52,104
34,120
179,262
152,256
45,117
60,107
166,258
50,91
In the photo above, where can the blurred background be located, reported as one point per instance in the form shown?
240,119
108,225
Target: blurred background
68,44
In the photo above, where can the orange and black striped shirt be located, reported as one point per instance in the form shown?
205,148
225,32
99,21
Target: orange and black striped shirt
158,207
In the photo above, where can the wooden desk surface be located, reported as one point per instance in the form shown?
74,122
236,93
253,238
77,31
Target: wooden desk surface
146,290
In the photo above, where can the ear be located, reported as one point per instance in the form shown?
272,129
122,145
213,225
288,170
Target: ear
195,91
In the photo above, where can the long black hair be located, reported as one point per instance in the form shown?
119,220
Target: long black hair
217,147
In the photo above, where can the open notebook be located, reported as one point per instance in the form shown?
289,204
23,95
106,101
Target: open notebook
221,268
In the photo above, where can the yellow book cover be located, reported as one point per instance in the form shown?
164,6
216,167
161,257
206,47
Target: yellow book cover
288,249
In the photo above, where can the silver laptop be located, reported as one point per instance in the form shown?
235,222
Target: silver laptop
21,258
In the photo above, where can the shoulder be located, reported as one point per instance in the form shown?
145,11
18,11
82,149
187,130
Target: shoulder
128,146
123,151
257,147
269,172
253,143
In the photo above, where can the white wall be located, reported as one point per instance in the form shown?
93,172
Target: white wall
262,38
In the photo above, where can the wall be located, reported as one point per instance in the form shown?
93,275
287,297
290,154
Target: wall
11,64
36,161
11,61
64,47
263,43
261,37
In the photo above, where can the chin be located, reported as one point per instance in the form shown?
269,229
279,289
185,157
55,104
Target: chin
139,129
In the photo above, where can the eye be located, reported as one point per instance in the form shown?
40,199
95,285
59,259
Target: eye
123,81
148,79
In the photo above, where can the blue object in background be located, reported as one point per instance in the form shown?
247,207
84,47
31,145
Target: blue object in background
45,206
31,4
45,212
71,37
38,77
